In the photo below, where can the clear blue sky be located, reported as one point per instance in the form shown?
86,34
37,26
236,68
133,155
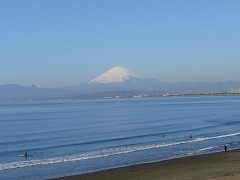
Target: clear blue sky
54,43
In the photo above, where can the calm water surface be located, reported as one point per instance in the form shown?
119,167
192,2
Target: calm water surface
74,137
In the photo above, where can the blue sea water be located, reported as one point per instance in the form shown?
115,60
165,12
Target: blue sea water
75,137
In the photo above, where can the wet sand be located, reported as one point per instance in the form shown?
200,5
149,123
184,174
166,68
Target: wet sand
222,165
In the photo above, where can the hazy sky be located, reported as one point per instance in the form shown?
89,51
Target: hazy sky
54,43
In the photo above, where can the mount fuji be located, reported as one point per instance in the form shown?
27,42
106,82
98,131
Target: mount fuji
118,81
116,75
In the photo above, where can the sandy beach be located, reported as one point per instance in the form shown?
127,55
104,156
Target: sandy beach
222,165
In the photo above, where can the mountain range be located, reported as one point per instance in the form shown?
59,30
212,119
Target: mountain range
117,82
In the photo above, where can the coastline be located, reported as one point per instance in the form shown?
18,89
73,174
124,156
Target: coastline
219,165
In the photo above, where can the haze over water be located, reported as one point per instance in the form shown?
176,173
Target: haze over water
74,137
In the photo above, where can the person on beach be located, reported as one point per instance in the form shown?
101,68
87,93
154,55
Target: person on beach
225,148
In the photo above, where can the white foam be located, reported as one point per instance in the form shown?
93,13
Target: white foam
106,152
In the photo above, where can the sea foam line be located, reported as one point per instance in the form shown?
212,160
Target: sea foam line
103,153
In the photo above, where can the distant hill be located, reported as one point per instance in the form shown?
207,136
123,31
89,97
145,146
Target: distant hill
17,92
117,82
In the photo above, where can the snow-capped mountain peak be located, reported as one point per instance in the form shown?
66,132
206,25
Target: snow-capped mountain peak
115,75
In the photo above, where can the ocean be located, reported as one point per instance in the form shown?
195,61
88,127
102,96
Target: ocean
74,137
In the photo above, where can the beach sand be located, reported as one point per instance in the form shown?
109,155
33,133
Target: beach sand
222,165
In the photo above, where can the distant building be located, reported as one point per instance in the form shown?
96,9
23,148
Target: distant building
234,91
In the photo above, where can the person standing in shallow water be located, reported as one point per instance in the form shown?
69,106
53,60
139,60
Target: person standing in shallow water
225,148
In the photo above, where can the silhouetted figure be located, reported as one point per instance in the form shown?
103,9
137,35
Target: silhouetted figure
25,154
225,148
190,136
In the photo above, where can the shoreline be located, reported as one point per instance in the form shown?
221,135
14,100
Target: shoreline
3,101
218,165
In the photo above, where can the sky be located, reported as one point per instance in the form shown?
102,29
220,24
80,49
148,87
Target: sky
58,43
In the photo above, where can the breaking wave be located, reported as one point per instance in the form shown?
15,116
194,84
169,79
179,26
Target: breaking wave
107,152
